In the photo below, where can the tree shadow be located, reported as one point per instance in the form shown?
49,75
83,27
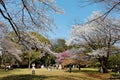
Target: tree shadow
24,77
79,71
91,73
42,77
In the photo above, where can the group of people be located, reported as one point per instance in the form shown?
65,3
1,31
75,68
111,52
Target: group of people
59,67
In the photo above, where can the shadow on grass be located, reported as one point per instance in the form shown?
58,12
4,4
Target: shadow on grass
87,71
91,73
24,77
42,77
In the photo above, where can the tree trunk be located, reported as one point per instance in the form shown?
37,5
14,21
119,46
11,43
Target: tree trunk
29,62
103,62
105,70
0,61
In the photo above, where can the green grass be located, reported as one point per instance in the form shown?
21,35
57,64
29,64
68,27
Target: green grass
43,74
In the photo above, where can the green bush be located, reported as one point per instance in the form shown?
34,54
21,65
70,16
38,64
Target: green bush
2,66
95,64
114,61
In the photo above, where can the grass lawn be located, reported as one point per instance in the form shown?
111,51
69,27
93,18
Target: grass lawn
44,74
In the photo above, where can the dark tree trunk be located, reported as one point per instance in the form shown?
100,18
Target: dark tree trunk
0,61
103,62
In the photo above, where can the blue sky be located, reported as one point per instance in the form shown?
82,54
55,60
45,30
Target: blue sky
73,13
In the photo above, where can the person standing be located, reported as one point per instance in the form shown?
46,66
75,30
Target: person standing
60,67
33,68
78,67
70,67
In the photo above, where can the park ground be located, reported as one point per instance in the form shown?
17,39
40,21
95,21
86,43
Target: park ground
44,74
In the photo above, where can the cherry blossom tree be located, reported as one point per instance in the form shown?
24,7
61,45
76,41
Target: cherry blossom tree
23,16
110,6
31,41
26,15
99,35
11,50
60,57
